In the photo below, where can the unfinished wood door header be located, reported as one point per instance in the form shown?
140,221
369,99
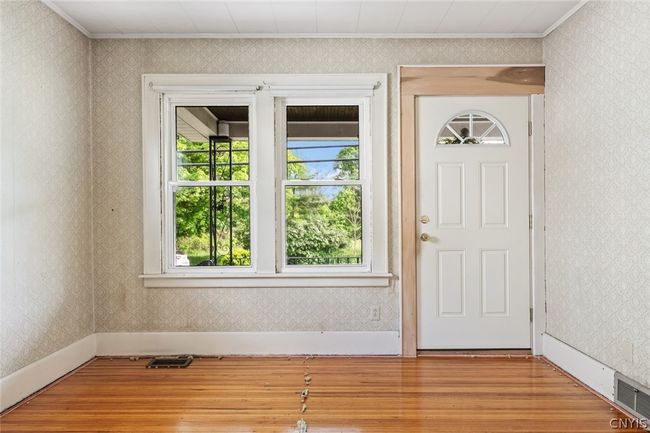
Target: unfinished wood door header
471,81
507,80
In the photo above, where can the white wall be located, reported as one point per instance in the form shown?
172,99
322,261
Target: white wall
598,184
46,293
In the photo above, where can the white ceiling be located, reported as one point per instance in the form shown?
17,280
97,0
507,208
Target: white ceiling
297,18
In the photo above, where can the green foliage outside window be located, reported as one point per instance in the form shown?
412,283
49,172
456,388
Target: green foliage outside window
323,224
192,204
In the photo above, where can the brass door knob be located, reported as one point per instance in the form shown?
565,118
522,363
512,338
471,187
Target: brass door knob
424,237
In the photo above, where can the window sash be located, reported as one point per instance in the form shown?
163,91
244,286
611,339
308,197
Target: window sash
169,129
364,182
365,229
231,204
185,183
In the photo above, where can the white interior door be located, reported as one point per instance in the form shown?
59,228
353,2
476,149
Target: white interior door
473,286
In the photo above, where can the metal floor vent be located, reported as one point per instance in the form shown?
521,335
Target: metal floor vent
170,362
632,396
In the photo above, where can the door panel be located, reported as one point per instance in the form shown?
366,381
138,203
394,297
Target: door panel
494,195
495,287
451,195
451,283
472,181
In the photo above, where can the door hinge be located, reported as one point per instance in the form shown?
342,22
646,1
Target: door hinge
530,128
530,222
531,314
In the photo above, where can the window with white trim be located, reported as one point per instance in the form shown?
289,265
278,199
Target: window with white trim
265,180
322,195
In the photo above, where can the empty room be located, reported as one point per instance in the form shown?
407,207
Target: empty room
325,216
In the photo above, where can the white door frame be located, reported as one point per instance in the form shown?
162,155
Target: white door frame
536,211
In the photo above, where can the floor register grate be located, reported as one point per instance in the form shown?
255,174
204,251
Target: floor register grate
170,362
633,396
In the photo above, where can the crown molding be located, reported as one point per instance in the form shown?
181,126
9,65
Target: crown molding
315,36
564,17
68,18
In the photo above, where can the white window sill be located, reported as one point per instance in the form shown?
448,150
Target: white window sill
267,280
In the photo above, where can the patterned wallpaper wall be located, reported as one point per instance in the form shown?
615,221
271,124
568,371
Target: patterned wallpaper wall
598,184
47,297
598,158
121,302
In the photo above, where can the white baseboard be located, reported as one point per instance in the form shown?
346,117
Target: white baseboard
41,373
586,369
31,378
249,343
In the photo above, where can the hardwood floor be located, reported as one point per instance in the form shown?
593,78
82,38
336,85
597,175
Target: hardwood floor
498,353
359,395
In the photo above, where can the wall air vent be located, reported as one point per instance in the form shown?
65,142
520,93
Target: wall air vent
632,396
170,362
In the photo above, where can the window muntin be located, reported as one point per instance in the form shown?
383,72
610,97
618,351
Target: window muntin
211,196
472,128
323,192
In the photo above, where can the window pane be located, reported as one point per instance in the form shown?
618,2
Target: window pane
212,226
472,128
323,225
323,142
212,143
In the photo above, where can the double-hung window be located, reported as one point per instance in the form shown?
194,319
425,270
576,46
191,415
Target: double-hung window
209,193
265,181
325,163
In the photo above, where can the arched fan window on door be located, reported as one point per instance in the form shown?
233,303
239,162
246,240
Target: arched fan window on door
473,128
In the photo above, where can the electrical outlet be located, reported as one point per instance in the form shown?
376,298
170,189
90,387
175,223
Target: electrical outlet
375,314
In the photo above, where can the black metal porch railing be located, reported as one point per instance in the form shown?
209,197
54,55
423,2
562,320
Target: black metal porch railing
340,260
